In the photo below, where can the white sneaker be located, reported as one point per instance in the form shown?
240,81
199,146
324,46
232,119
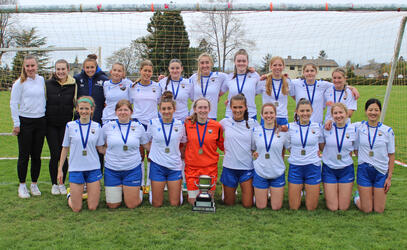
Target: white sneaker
55,189
35,190
23,192
62,189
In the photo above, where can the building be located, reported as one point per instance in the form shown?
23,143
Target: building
293,67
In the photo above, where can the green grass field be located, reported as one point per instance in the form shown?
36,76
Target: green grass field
46,222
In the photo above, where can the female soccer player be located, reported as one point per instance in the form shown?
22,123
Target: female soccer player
123,173
305,163
337,170
115,89
269,167
81,139
61,98
238,163
339,93
166,134
207,84
276,89
27,104
242,82
204,136
90,83
375,148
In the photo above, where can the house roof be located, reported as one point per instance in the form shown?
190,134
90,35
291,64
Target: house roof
318,62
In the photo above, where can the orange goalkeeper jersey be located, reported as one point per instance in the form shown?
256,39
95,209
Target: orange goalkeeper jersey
212,141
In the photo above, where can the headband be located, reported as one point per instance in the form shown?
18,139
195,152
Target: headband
86,100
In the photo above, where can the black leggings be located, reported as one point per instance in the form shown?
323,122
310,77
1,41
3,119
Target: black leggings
30,143
55,136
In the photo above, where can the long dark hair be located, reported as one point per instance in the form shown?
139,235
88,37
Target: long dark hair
373,101
169,76
240,52
241,97
302,101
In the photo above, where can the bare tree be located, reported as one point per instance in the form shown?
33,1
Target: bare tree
224,33
6,28
129,56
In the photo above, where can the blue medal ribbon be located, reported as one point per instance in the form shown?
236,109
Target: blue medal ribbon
206,87
276,94
172,86
240,90
340,97
340,144
167,140
304,141
371,144
268,146
84,140
127,132
203,135
313,92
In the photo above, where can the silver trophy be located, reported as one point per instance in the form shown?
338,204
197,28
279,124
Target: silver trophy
204,201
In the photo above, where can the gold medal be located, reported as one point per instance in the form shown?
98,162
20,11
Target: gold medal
167,150
125,148
200,151
339,156
276,104
84,153
303,152
267,156
371,154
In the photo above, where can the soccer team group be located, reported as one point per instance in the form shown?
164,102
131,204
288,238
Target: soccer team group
120,122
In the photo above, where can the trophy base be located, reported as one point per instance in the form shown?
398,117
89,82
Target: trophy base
204,206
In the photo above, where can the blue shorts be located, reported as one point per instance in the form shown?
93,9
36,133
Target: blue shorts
82,177
160,173
131,178
232,177
309,174
343,175
262,183
280,121
368,176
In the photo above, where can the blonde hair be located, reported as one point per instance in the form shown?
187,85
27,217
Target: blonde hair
59,61
142,65
310,64
269,104
240,52
194,117
269,81
343,73
199,73
23,75
339,105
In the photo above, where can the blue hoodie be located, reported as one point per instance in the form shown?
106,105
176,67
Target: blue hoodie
93,87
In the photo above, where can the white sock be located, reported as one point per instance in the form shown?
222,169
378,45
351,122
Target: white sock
22,185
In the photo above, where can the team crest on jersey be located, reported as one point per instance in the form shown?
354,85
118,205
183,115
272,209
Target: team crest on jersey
380,133
210,131
213,79
153,90
183,86
99,83
133,128
176,129
250,76
92,130
347,136
313,131
122,87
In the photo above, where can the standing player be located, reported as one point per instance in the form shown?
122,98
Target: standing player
27,104
123,173
305,163
238,163
166,134
375,148
338,173
269,167
242,82
115,89
81,139
204,136
61,98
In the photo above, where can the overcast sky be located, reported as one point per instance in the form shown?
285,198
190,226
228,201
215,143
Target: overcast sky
344,36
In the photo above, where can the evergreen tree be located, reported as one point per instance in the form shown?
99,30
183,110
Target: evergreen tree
29,38
265,64
168,39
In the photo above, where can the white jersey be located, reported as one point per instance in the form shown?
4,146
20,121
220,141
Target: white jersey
27,99
271,166
281,101
145,99
238,143
331,152
122,156
382,147
114,92
315,95
182,90
344,96
315,136
73,140
209,87
171,157
248,84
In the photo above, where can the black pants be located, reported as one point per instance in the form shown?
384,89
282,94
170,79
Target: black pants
30,143
55,136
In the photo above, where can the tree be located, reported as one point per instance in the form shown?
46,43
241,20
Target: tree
129,56
224,33
322,54
6,28
29,38
168,39
265,64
